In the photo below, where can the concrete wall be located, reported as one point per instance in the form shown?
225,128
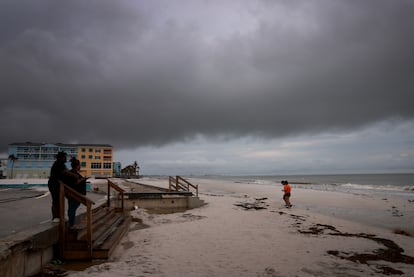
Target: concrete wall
156,203
173,203
25,253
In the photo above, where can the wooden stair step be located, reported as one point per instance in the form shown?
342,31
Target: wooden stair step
106,234
118,233
106,227
98,219
105,248
97,213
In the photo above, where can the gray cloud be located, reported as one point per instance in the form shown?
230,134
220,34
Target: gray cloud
133,74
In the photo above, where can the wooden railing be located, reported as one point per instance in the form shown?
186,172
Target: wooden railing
66,190
178,183
114,186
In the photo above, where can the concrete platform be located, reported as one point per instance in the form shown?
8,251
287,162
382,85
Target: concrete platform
26,208
27,234
155,198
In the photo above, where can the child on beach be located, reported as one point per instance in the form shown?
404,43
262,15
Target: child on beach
286,196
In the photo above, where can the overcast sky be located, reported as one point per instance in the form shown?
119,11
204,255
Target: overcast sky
214,87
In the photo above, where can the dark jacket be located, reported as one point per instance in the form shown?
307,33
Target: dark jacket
57,174
79,187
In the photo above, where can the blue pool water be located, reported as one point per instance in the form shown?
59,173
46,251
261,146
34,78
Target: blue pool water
26,185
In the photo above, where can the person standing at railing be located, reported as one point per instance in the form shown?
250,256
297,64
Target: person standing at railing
58,173
78,183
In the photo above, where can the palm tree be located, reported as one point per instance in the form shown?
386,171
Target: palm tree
136,169
12,158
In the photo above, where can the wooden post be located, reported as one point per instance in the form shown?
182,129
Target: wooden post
176,182
61,241
108,196
89,227
122,201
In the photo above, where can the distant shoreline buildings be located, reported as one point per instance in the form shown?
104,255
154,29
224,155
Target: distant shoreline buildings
34,160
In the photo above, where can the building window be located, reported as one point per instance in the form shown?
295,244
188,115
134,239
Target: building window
83,150
107,165
96,165
90,157
83,164
97,157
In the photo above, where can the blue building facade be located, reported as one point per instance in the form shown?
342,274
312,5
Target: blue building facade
34,160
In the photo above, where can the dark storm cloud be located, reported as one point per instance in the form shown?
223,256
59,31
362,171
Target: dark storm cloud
133,74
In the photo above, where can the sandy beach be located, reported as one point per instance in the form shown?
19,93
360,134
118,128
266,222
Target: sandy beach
245,230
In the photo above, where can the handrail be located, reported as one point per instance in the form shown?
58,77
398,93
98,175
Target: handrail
118,189
179,183
68,191
171,183
65,190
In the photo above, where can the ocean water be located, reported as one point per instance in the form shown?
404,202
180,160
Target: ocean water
398,185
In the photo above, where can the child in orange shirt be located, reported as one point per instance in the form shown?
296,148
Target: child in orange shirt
286,196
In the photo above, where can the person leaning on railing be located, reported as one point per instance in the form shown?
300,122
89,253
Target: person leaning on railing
78,183
58,173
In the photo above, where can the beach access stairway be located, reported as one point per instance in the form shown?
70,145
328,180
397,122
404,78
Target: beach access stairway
97,232
178,183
